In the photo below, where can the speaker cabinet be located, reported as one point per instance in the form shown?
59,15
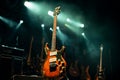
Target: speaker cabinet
5,68
26,77
9,66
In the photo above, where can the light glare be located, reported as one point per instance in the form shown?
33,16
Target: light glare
57,27
21,21
50,13
68,20
83,34
42,25
82,25
28,4
51,29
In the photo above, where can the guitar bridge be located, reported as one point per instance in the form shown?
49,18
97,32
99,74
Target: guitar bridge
53,66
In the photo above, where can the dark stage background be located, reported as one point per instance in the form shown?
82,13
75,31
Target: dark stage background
101,20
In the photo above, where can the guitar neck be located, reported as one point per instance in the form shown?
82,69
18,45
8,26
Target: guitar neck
101,50
41,55
53,44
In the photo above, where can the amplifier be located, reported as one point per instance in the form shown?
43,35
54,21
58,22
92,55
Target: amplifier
10,66
11,51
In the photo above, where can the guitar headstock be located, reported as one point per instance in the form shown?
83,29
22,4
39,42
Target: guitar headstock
56,11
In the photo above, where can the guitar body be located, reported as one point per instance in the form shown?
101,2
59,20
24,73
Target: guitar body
85,73
100,72
74,69
100,75
54,64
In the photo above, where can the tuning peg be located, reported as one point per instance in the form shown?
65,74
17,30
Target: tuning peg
63,47
58,7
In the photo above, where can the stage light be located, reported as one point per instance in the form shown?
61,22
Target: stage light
42,25
19,24
50,13
21,21
83,34
82,25
51,29
33,7
27,4
58,28
68,20
75,23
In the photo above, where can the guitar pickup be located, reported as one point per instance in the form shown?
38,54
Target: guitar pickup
53,66
53,59
53,53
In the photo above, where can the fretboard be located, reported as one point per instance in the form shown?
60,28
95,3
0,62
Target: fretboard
53,44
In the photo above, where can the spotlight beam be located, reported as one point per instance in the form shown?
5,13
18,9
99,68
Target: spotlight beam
8,21
19,24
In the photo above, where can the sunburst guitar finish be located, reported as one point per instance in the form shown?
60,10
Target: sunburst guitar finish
54,64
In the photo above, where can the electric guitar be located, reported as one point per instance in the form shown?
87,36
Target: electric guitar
40,59
74,69
29,61
54,64
100,72
85,73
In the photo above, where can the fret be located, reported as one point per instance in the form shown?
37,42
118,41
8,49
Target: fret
53,44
